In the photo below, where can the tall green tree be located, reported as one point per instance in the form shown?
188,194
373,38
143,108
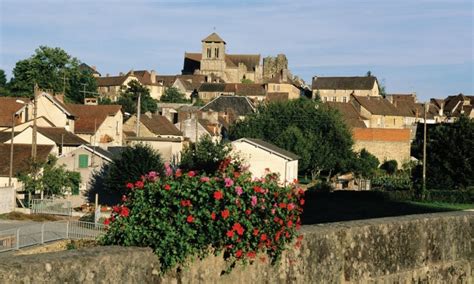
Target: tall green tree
129,98
308,128
52,69
205,155
450,155
4,91
173,95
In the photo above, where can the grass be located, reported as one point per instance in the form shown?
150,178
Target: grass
28,217
352,205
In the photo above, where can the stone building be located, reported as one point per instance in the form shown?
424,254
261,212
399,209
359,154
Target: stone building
219,66
273,66
339,89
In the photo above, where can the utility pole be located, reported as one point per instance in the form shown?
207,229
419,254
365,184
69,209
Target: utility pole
138,114
35,128
424,147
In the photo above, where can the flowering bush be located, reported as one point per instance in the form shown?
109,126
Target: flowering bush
182,214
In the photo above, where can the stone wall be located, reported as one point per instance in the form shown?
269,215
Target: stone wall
272,66
431,248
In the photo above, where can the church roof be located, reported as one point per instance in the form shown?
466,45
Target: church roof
213,38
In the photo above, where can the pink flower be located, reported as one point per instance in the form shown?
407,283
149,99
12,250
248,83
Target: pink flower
273,211
168,170
152,176
191,174
124,198
290,206
254,200
204,179
239,190
228,182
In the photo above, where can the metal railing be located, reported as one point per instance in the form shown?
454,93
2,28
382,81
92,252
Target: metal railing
51,206
36,234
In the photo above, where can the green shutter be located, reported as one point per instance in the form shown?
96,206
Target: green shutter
83,161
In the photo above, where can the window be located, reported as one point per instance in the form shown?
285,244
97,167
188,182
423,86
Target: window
334,99
83,161
216,51
325,99
344,99
208,53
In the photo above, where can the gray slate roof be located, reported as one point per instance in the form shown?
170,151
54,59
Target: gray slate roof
271,148
241,106
344,83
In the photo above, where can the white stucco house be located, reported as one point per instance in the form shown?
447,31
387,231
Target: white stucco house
262,156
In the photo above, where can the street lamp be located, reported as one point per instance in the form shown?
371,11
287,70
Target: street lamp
11,143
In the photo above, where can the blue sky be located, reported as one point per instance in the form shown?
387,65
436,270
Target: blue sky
410,45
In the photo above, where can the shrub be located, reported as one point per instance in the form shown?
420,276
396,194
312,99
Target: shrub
184,214
389,166
205,155
450,196
392,182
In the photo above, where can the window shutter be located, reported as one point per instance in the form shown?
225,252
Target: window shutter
83,161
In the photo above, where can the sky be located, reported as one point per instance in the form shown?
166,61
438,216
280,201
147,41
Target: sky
422,46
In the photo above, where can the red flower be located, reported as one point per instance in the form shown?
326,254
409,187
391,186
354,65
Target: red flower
107,221
251,254
191,173
238,228
139,184
225,213
230,233
301,201
213,216
277,235
178,173
116,209
238,253
167,187
290,206
300,238
282,205
190,219
263,237
218,195
289,224
248,211
258,189
124,212
255,232
130,185
185,203
236,174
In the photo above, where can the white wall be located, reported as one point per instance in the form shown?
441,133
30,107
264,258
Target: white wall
7,199
259,160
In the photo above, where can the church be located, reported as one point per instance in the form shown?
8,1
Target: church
219,66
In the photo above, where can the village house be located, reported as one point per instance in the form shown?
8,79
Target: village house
263,157
194,129
227,109
99,125
53,109
210,91
379,112
59,138
340,89
188,85
282,87
455,106
349,114
174,111
86,160
111,86
385,144
156,131
13,111
413,111
21,160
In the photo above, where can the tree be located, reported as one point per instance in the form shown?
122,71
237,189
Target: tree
205,155
52,69
50,178
173,95
4,91
129,98
450,158
390,166
129,166
321,138
366,164
246,81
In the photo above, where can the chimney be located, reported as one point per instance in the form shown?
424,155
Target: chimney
132,72
121,74
153,76
441,109
107,75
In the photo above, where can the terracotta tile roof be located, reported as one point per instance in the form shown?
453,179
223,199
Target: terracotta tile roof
110,81
239,105
166,80
344,83
381,134
349,113
269,147
21,157
377,105
90,117
61,136
159,125
213,38
277,97
9,106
